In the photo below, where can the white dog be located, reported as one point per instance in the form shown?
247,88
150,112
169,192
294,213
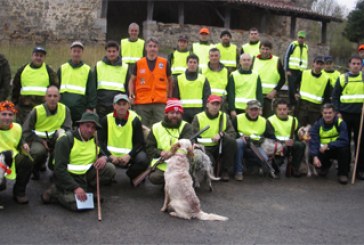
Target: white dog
5,165
304,136
180,198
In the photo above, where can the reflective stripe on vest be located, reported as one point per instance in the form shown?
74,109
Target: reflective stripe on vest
191,92
282,128
49,123
203,121
111,77
82,156
202,51
179,62
227,54
252,49
328,136
252,129
217,79
34,81
78,168
10,140
353,91
245,88
74,79
131,52
313,88
298,60
268,73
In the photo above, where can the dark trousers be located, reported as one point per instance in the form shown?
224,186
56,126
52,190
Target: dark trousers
341,154
293,84
267,108
307,112
297,151
23,167
138,165
103,111
353,123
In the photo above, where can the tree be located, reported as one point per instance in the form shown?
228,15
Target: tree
354,28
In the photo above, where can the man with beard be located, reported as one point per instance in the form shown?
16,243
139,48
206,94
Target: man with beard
163,135
228,51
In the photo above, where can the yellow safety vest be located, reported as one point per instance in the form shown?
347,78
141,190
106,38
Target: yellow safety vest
202,51
203,121
10,140
115,133
328,136
227,54
74,79
82,156
111,77
313,88
282,128
131,52
298,60
34,81
268,72
179,62
217,79
48,124
333,76
191,92
252,129
353,91
252,49
165,137
245,88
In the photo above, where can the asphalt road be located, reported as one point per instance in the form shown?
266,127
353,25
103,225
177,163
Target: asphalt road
260,211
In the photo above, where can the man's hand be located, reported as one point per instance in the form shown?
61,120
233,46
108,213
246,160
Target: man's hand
124,160
114,160
26,148
316,162
297,96
324,148
80,194
272,94
288,73
233,114
45,144
166,154
131,99
100,162
216,138
289,142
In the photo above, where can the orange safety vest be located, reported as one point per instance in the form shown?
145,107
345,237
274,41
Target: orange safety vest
151,86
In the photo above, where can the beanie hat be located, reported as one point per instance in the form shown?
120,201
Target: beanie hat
173,104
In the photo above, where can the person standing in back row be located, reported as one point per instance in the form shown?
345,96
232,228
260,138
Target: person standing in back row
132,48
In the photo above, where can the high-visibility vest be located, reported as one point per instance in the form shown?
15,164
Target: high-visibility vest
131,52
245,88
298,60
282,128
48,124
268,72
74,79
203,121
333,76
330,135
111,77
179,62
252,49
227,54
217,79
353,91
252,129
34,81
313,88
165,137
82,156
10,140
115,133
151,86
202,51
191,92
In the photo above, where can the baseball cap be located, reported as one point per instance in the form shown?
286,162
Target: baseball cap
77,44
39,49
361,47
328,59
204,30
119,97
301,34
183,38
253,104
173,104
214,98
319,59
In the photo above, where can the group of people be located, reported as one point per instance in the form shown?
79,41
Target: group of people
133,90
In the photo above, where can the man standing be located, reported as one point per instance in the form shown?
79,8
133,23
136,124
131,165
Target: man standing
111,76
177,59
201,48
5,77
271,72
295,61
132,48
329,140
192,89
315,90
150,85
221,131
163,135
228,51
124,124
330,71
77,160
11,139
361,53
41,126
243,86
348,99
30,83
252,47
78,88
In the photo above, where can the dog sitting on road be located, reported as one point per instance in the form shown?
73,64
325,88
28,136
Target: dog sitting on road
304,136
6,160
272,148
180,199
202,170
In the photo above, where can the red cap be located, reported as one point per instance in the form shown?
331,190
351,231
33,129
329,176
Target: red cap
173,104
214,98
361,47
204,30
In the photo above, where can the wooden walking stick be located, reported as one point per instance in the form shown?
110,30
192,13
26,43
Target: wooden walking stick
99,214
358,145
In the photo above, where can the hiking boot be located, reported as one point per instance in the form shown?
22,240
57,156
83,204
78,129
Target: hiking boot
360,175
21,199
1,205
225,176
239,176
343,179
323,172
273,176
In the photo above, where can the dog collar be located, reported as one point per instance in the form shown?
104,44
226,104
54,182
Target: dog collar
6,168
182,151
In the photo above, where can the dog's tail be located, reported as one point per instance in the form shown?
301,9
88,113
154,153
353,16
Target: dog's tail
206,216
212,176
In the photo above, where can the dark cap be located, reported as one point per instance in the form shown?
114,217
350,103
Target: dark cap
77,44
183,38
119,97
39,49
89,117
253,104
225,32
329,59
319,59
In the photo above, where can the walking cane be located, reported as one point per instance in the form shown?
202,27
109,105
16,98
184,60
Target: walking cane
99,214
358,145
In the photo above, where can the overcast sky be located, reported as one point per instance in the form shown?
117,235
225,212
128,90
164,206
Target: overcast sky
349,4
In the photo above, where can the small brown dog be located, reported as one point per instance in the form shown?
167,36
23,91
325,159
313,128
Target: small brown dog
180,199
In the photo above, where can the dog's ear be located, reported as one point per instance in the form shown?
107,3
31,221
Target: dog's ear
190,153
175,147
